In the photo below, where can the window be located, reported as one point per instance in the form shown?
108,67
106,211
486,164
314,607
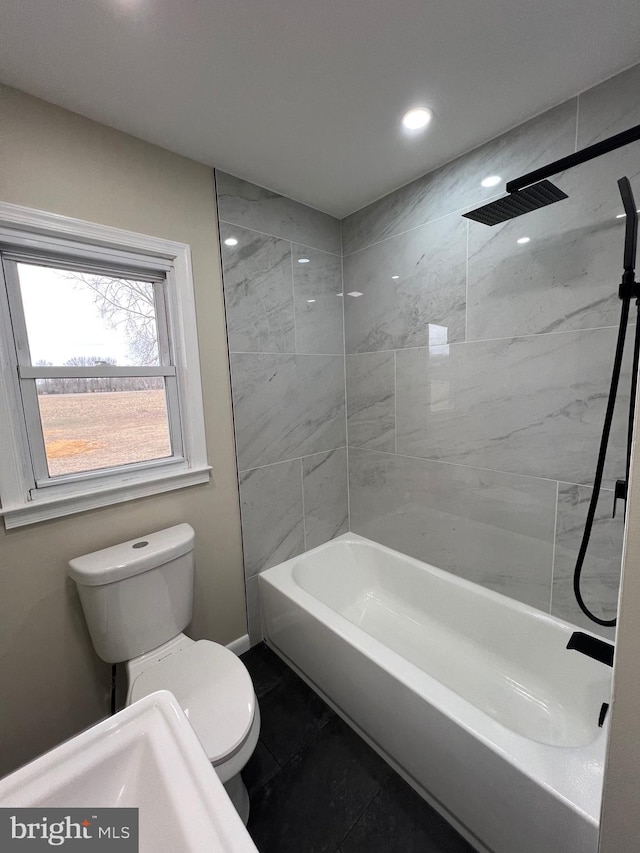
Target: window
100,385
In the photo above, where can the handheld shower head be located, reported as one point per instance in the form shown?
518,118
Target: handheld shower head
516,203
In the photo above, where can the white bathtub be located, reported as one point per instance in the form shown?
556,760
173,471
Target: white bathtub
472,696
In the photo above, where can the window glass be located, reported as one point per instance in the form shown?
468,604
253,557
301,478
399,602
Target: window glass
101,422
73,316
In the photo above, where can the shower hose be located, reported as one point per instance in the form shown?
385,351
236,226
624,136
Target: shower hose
617,366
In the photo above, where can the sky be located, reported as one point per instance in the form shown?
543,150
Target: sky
63,321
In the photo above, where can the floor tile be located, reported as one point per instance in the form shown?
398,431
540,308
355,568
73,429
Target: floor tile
399,821
310,805
260,768
292,715
265,668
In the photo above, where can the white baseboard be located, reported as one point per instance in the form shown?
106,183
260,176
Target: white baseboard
240,646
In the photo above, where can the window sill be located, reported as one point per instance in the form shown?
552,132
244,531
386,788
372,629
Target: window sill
48,508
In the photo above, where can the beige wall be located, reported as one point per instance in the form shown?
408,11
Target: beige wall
51,683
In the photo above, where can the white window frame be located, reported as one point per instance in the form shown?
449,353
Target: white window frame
28,232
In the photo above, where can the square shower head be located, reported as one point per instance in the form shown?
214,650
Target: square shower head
517,203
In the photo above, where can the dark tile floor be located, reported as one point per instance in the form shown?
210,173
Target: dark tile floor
316,787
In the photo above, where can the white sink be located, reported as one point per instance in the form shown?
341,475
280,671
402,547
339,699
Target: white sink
146,756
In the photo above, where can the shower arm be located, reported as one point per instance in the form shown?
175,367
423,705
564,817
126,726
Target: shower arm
632,134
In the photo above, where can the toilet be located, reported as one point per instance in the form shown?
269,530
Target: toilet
137,599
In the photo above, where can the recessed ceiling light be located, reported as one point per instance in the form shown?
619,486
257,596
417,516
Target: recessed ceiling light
354,293
303,260
231,241
311,300
491,181
417,118
523,240
394,277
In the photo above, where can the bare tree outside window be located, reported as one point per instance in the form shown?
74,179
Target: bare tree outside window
129,305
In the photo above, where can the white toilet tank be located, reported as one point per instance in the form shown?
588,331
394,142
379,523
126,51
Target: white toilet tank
137,595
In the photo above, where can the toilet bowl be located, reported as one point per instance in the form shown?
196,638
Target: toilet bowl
217,697
137,598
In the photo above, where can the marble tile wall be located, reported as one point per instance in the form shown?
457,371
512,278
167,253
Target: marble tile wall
282,275
478,367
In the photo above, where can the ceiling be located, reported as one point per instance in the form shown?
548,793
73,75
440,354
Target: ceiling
305,97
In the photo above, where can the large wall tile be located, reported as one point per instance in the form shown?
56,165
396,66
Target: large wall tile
371,419
601,571
318,301
426,298
492,528
246,204
258,291
565,278
456,185
287,406
326,505
272,518
532,405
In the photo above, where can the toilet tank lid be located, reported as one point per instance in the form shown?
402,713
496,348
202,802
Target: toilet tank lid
132,557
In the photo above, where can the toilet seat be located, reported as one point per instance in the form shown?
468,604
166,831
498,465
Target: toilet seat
215,691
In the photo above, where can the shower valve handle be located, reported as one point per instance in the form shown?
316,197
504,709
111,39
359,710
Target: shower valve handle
619,493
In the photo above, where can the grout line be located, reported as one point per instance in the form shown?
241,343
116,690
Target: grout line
458,210
346,401
272,352
314,737
317,733
279,237
507,338
293,459
450,344
395,401
344,356
232,402
280,766
348,493
304,515
575,144
466,290
293,300
553,555
381,785
370,351
475,467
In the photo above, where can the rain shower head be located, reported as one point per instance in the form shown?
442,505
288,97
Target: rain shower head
532,191
516,203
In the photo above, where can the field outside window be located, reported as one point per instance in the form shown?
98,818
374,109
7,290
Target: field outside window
78,320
